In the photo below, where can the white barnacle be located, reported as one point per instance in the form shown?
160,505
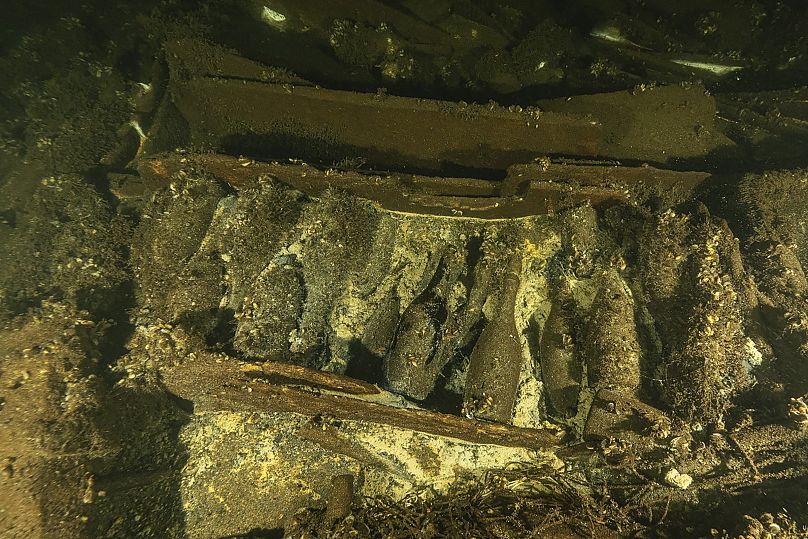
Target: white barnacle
798,410
675,479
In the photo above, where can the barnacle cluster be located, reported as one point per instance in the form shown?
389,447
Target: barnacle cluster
767,526
798,410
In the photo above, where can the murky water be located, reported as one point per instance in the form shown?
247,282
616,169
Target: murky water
404,269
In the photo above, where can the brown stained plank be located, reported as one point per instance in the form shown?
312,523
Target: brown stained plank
663,124
461,197
201,59
385,130
608,175
442,186
240,105
216,383
286,373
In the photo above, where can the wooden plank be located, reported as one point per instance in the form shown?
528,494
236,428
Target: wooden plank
228,109
614,176
278,372
461,197
666,125
217,383
384,130
536,189
236,105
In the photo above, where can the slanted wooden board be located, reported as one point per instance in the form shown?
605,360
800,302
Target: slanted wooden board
218,383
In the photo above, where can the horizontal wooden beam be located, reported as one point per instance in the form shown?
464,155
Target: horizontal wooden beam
406,193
